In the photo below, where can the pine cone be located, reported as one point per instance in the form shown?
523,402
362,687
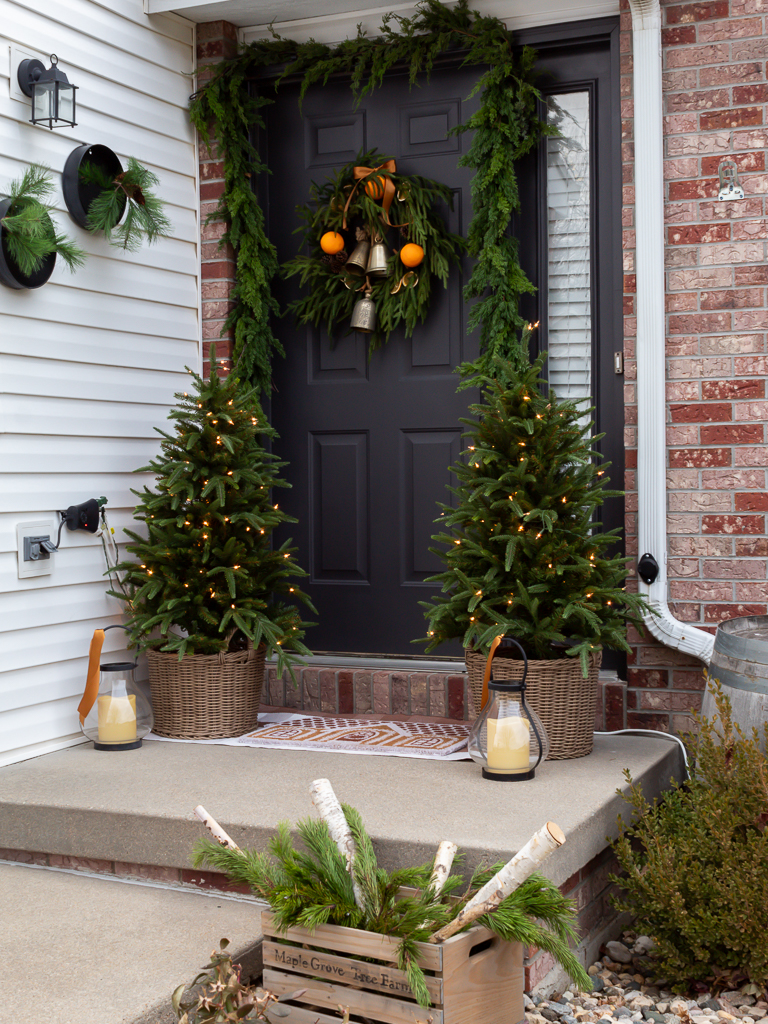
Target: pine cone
132,191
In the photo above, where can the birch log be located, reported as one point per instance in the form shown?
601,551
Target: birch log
513,874
215,829
329,809
446,851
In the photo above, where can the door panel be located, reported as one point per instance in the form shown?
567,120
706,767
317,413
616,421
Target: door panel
369,442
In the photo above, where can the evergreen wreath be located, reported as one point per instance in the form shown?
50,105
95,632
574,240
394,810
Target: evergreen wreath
507,126
128,193
354,205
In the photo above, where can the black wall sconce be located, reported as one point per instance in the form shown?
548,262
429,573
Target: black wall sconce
53,98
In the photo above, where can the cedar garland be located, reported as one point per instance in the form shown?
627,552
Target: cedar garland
506,127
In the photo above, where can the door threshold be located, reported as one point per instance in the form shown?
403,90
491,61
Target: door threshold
384,662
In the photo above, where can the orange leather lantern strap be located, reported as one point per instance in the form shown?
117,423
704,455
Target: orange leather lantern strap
92,680
486,678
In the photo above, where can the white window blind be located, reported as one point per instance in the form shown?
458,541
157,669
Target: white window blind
569,318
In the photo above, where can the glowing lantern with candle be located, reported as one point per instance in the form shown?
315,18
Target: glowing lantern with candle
114,713
508,738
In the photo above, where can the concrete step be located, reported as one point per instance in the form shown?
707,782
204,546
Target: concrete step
137,806
86,950
131,813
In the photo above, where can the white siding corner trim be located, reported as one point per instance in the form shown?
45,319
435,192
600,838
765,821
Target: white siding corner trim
649,266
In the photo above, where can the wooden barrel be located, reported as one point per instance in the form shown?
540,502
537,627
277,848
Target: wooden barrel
740,663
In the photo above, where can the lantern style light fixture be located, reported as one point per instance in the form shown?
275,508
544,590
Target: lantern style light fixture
116,715
53,98
508,738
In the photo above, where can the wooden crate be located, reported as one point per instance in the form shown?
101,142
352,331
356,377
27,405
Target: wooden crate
473,978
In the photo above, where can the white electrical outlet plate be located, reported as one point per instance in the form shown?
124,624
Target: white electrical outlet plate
43,566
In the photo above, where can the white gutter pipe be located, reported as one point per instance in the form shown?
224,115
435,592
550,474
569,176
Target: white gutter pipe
651,330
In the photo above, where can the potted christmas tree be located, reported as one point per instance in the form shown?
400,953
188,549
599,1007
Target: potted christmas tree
209,597
525,556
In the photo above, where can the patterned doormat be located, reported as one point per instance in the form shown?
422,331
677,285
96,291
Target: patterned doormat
364,736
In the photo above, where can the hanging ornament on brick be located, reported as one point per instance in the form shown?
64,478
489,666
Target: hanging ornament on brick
388,224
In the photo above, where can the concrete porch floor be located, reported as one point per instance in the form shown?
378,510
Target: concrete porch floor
94,812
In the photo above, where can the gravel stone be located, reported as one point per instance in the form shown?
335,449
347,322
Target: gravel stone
644,942
737,998
618,951
549,1013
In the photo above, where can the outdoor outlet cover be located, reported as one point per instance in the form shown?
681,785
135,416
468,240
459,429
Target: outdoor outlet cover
40,566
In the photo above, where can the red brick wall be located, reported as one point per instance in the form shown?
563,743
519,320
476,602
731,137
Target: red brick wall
715,90
216,41
714,67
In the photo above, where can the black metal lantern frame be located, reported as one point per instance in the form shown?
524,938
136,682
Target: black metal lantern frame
53,98
516,757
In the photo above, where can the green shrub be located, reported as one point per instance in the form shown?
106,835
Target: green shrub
696,863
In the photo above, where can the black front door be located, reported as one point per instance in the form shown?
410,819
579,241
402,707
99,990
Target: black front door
369,442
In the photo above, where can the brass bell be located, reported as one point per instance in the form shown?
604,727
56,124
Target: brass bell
357,263
377,261
364,314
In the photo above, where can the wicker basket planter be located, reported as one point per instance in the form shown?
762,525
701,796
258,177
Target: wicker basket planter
473,978
558,692
206,696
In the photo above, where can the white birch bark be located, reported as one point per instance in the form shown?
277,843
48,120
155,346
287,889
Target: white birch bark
329,809
215,829
514,873
446,851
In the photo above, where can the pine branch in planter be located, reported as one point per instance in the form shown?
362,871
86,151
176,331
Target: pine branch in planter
207,564
312,886
129,193
522,550
30,234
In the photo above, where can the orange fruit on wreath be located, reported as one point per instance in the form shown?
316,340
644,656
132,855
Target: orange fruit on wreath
374,187
411,255
331,242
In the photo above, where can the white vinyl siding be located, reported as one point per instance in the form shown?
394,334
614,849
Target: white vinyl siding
89,363
569,340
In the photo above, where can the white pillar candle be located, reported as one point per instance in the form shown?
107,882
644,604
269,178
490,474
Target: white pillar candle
117,719
508,744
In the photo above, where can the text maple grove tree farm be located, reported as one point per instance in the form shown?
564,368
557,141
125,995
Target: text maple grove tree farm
207,565
522,550
336,879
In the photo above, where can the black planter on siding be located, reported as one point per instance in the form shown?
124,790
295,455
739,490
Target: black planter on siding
77,194
9,270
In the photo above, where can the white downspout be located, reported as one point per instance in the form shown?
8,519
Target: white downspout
651,329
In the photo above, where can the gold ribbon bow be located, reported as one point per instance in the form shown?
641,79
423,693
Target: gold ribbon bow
360,173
